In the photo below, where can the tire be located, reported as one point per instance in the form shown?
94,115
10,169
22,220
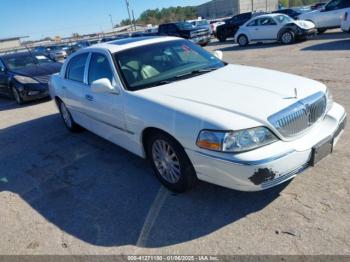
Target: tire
17,96
321,30
287,37
242,40
67,118
221,37
170,163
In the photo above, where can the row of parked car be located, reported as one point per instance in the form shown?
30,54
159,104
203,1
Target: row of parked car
326,16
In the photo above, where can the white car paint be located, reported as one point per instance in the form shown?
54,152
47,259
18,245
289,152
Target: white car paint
226,99
345,21
329,16
267,33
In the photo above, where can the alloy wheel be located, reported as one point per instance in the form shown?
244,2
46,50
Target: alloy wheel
65,115
166,161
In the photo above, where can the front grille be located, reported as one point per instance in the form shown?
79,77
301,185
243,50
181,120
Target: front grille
200,33
300,116
42,79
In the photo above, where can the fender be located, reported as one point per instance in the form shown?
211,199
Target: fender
287,27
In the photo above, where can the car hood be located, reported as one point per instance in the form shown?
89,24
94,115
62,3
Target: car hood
304,24
308,15
39,70
251,92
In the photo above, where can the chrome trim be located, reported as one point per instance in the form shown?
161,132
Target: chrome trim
285,177
300,116
246,162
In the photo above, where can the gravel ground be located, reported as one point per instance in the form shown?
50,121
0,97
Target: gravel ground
63,193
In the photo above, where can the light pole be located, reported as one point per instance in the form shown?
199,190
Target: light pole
112,22
127,7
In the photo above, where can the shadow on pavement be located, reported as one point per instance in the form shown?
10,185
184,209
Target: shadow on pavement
330,46
103,195
10,104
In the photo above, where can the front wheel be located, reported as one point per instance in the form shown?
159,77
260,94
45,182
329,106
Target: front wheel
170,163
17,96
287,37
242,40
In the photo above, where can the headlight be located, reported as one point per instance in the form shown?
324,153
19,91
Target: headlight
329,97
235,141
25,80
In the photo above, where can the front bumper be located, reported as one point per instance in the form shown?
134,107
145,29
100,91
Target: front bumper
306,33
35,92
270,165
201,40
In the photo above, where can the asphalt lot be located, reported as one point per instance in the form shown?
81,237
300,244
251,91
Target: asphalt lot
63,193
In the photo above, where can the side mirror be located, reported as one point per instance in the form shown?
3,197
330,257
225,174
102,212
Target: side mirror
2,69
323,9
218,54
103,85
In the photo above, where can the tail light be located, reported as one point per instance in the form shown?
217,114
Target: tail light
345,16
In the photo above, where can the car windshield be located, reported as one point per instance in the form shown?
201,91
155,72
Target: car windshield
185,26
161,63
25,60
283,19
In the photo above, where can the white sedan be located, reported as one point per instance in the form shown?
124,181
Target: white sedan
272,28
196,117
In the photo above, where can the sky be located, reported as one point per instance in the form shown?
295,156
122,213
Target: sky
41,18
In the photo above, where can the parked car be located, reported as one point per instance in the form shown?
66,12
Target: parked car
214,25
328,16
185,30
55,52
201,23
345,22
274,27
230,27
24,76
196,117
288,11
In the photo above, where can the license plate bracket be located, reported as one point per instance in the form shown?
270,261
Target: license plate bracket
321,150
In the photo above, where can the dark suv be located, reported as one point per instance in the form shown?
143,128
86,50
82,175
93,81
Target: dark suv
200,36
231,26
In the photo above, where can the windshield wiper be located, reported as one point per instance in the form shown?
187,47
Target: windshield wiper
198,72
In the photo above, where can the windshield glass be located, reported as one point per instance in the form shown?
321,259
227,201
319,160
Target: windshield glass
25,60
157,64
185,26
284,19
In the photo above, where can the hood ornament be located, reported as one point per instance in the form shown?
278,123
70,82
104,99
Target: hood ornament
295,95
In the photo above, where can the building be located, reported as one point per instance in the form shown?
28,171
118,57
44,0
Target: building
10,43
224,8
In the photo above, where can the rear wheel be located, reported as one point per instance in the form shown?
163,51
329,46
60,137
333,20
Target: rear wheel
17,96
67,118
287,37
170,162
242,40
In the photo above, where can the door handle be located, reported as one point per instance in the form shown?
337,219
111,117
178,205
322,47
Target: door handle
89,97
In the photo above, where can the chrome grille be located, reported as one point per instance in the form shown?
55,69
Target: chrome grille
42,79
300,116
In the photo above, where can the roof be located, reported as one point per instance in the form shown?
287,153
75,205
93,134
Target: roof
123,44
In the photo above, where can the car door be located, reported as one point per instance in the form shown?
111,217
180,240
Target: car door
106,110
330,15
3,79
267,29
73,84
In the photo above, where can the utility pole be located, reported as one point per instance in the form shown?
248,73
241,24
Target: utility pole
133,19
127,7
112,22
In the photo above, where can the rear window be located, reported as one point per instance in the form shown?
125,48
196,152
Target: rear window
76,68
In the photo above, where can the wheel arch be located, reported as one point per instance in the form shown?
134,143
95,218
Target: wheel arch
147,132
